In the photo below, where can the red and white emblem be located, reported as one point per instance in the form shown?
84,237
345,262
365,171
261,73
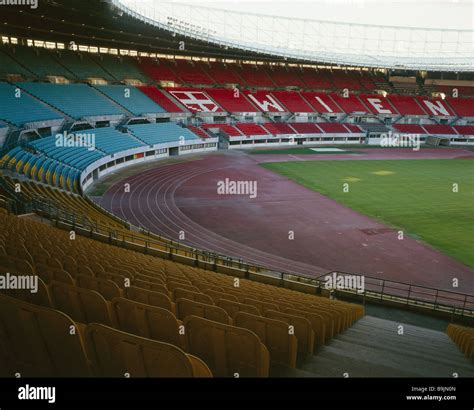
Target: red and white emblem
196,101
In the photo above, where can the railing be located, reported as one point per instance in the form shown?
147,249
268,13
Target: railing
49,210
383,290
402,293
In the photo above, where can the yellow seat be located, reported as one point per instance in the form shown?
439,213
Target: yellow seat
229,351
274,334
39,342
147,321
114,353
187,307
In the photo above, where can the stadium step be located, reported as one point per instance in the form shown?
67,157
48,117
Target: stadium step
373,347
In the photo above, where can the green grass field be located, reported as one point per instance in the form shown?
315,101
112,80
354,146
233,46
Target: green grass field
301,150
414,195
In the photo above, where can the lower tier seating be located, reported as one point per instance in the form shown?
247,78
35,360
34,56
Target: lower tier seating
98,306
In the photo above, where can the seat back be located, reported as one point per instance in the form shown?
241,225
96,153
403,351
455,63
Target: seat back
39,342
40,297
317,323
114,353
274,334
82,305
186,307
147,321
149,298
107,288
232,308
229,351
179,293
302,329
154,286
260,305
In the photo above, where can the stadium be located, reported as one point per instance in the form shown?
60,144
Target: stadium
193,191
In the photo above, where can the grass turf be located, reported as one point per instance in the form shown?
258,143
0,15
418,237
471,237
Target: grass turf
300,150
414,195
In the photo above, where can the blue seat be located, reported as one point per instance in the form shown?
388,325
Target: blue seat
22,110
76,100
162,133
131,98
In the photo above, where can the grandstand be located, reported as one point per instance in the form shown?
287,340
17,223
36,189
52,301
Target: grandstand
112,144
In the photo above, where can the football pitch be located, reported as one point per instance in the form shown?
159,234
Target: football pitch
431,200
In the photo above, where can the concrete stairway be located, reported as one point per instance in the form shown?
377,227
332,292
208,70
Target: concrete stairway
373,347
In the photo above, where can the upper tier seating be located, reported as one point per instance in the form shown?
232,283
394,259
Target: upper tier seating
293,101
321,102
406,105
255,76
251,129
285,77
228,129
346,80
158,70
223,73
161,133
317,80
191,72
160,98
231,100
76,100
333,128
42,62
9,66
462,107
131,99
439,129
305,127
350,105
121,67
82,65
25,109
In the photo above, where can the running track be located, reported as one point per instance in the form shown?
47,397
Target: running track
327,236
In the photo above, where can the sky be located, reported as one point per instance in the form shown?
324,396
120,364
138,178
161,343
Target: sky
456,14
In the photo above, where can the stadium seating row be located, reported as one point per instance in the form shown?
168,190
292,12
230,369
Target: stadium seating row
34,102
125,302
37,63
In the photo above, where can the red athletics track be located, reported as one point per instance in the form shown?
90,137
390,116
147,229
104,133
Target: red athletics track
328,236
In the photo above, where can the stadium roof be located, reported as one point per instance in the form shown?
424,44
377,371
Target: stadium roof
316,41
222,34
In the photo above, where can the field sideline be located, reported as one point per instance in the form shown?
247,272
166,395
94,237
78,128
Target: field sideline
416,196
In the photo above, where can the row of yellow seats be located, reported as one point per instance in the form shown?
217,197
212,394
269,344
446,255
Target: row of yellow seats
464,338
169,278
42,342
